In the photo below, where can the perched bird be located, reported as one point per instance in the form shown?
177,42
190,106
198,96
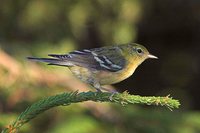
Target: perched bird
101,66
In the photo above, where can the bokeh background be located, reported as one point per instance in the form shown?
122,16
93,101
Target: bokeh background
169,29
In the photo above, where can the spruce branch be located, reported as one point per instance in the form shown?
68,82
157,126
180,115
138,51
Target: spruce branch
66,99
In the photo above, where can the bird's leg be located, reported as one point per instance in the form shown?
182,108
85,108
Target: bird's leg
113,92
111,96
98,87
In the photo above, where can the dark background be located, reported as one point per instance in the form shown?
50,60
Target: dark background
169,29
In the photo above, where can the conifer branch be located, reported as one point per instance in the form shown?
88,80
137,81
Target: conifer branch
66,99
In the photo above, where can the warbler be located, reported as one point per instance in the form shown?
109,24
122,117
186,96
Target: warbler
101,66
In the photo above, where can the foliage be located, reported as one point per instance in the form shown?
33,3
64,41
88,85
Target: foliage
66,99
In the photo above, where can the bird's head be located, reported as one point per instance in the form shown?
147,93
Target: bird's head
139,53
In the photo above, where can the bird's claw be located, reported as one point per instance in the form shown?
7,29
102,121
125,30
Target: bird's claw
112,94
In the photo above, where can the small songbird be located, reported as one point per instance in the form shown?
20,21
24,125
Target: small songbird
101,66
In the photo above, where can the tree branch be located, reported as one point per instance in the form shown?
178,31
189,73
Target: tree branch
66,99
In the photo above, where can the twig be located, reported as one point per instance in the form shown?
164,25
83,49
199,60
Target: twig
66,99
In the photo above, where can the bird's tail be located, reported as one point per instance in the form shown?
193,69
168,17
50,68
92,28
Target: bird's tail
52,61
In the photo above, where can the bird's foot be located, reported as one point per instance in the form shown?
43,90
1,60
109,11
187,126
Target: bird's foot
112,94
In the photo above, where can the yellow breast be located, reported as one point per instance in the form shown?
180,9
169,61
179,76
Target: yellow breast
106,78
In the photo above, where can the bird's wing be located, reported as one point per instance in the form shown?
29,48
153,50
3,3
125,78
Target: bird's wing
106,58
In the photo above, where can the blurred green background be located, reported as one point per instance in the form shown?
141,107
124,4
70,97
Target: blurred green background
169,29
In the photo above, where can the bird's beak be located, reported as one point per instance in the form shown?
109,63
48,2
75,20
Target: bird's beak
152,56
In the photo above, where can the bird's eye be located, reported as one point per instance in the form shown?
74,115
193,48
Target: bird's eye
139,50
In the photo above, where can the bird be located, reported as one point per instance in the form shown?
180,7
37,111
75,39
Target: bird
101,66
